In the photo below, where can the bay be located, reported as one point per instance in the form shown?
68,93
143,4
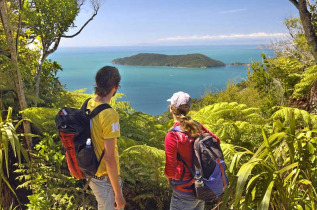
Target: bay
148,88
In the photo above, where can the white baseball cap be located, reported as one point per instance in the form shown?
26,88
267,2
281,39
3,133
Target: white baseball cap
181,98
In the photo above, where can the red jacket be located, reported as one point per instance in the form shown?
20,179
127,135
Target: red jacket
184,146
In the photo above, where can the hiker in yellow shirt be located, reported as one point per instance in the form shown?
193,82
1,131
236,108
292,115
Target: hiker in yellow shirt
105,129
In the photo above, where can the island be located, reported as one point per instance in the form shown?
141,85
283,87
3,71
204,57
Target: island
154,59
239,64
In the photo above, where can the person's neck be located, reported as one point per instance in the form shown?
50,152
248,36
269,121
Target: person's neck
104,99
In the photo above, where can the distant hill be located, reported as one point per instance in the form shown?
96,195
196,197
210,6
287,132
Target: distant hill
239,64
153,59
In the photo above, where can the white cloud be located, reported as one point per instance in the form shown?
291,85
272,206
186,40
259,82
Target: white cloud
232,11
229,36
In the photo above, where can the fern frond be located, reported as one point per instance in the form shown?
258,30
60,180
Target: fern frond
306,82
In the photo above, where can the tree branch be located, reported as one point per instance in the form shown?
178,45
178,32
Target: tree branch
96,7
80,3
295,2
56,43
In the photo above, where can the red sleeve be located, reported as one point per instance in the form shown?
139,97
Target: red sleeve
170,154
207,131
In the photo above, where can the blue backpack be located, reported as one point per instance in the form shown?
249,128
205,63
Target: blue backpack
209,177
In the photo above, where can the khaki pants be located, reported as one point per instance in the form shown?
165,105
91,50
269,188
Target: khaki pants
103,191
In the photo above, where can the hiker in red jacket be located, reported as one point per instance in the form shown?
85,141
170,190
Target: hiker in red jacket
182,143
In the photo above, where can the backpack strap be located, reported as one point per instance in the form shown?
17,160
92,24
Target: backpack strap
98,109
177,128
189,168
84,106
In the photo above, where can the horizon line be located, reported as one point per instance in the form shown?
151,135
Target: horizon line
188,45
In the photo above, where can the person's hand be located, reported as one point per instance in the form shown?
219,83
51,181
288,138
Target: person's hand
119,202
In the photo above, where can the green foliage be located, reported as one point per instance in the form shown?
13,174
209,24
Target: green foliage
307,79
232,122
152,59
287,70
48,19
259,77
143,128
281,174
51,92
125,143
239,93
142,169
299,48
49,180
10,146
268,87
42,118
303,118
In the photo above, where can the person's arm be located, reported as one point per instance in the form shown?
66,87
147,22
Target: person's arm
112,169
171,155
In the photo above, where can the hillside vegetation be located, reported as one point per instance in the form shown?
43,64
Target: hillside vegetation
153,59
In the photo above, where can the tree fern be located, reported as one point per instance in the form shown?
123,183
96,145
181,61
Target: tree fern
124,143
49,180
302,117
143,128
306,82
42,118
232,122
142,169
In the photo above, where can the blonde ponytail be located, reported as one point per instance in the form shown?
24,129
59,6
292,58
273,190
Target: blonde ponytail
186,123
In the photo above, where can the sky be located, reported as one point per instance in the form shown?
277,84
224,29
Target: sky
182,22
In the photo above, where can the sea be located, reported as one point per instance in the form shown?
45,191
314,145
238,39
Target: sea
147,88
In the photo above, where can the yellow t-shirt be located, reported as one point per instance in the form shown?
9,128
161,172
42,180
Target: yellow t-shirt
105,125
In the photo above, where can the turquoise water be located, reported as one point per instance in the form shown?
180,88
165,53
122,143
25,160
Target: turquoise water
147,88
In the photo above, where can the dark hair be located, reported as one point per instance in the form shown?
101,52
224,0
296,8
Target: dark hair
106,79
186,123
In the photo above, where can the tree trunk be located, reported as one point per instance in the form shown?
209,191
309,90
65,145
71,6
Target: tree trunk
313,97
46,53
310,35
38,78
15,67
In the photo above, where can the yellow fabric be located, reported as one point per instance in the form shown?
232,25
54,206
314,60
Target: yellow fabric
104,126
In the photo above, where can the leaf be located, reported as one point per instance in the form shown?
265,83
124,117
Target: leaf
305,181
311,148
8,129
281,171
7,182
6,154
243,175
17,147
253,179
264,205
227,193
267,144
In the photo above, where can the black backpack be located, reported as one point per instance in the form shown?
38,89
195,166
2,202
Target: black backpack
73,126
208,171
